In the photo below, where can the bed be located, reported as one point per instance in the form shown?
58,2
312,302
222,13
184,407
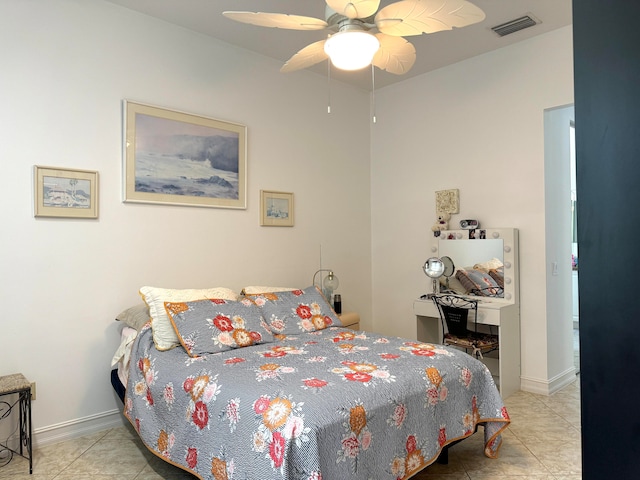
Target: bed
271,386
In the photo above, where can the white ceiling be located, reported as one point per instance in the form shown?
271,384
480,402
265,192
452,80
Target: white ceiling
433,51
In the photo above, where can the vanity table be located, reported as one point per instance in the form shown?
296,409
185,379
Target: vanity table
501,315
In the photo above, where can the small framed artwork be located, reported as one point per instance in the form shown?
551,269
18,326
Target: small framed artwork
178,158
276,209
447,201
62,192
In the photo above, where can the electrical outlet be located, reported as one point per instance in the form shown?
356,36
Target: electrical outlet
33,391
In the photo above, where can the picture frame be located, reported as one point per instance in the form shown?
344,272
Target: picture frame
276,209
65,193
448,201
178,158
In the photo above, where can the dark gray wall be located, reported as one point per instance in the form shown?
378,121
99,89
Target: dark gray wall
607,107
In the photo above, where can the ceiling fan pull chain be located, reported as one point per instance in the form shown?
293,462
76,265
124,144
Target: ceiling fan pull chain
328,86
373,92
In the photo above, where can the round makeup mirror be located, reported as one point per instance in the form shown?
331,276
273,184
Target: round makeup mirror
434,268
449,268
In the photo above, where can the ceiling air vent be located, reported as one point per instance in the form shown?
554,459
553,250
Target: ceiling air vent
515,25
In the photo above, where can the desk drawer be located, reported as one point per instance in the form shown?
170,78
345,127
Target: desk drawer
486,315
425,308
489,316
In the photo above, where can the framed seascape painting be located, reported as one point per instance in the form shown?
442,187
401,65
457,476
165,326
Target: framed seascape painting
276,209
62,192
178,158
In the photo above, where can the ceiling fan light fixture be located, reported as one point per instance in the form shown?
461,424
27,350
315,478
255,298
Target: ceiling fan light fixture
351,50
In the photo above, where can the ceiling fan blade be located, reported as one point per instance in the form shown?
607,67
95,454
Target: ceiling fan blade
354,8
277,20
396,55
309,55
415,17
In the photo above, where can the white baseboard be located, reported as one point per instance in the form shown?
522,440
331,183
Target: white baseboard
547,387
78,427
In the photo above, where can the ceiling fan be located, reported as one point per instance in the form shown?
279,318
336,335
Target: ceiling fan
362,37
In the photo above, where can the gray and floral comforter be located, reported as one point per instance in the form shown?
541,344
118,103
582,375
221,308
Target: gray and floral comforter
329,404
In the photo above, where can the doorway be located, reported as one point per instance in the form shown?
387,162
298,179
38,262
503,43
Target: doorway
574,249
560,248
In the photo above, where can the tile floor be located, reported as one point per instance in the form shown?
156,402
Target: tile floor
542,443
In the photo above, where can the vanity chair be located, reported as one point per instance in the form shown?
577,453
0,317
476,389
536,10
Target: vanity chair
495,313
456,313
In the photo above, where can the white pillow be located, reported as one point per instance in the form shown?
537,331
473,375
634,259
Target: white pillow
164,335
255,290
488,265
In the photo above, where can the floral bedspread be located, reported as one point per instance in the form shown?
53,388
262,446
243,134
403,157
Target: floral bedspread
330,404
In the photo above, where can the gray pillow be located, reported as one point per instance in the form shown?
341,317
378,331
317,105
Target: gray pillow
135,317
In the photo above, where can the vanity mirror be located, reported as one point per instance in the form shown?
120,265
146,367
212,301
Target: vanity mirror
500,244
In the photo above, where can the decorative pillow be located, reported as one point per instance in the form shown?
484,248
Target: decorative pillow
289,313
478,283
216,325
488,265
498,275
164,336
135,317
253,290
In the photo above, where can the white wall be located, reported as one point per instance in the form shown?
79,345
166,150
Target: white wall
66,67
476,126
